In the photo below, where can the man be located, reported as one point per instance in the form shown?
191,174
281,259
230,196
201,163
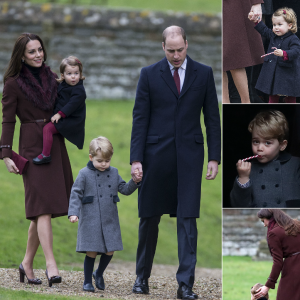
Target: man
167,150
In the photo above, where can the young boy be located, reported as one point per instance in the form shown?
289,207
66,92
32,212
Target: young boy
93,201
272,179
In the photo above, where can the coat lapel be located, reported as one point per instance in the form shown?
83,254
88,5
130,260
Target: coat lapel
190,76
167,76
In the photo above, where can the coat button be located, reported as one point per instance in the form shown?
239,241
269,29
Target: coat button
109,186
265,204
278,201
263,187
111,195
260,171
99,185
107,175
277,169
100,196
276,185
97,174
271,60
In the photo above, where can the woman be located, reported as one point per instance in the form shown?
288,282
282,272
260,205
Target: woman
242,45
30,90
284,242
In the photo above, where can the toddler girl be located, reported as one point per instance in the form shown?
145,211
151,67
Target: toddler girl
93,201
69,110
280,73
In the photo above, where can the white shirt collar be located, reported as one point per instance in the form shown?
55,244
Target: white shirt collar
183,66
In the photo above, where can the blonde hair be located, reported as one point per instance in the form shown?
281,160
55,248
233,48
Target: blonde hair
70,61
103,145
271,124
289,16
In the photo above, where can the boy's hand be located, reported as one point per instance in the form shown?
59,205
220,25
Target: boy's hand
56,117
278,52
243,169
137,178
73,219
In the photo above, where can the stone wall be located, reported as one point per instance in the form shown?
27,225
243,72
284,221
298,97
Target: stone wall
113,45
243,232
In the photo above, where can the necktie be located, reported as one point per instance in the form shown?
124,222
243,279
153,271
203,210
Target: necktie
177,80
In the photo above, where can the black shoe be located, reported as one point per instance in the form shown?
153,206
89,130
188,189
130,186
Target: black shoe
140,286
88,287
40,161
185,292
30,281
99,281
53,279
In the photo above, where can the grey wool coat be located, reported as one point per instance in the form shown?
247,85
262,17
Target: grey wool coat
274,184
93,200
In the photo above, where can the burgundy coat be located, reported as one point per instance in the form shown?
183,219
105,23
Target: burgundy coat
282,248
48,186
242,45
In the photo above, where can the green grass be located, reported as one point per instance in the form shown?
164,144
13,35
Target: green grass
241,273
203,6
6,294
112,119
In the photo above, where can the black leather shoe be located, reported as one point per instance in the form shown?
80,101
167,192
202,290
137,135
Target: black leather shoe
141,286
40,161
185,292
99,281
88,287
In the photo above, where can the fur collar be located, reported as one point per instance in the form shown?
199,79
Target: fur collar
41,97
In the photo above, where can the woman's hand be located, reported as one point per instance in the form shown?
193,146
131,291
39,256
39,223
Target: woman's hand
73,219
278,52
56,117
255,14
244,170
10,165
261,292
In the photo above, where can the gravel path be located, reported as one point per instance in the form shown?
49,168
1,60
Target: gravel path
119,278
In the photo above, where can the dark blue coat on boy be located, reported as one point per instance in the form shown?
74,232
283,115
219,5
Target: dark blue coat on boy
279,77
273,184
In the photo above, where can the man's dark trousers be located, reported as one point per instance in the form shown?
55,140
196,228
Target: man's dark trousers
187,248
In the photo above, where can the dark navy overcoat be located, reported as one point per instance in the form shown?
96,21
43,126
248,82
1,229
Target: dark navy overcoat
71,101
167,137
279,77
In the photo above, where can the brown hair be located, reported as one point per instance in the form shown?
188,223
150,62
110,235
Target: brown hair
103,145
173,31
271,124
70,61
289,16
15,63
290,226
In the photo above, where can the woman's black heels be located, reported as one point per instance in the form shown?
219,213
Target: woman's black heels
53,279
23,274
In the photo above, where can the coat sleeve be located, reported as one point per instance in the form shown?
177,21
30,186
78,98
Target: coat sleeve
76,196
126,188
264,30
77,98
294,51
141,115
241,197
9,108
277,254
212,119
253,2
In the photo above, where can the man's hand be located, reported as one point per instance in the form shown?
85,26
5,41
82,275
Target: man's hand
212,170
55,118
136,171
243,169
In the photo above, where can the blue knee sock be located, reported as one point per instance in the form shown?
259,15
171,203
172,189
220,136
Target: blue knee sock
88,269
104,261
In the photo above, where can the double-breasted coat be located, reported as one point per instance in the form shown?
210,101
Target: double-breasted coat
242,45
286,260
274,184
48,186
167,137
279,77
93,200
71,101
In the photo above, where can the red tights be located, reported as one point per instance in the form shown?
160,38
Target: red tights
287,99
48,132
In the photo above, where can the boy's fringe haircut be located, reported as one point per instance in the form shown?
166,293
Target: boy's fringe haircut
103,145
